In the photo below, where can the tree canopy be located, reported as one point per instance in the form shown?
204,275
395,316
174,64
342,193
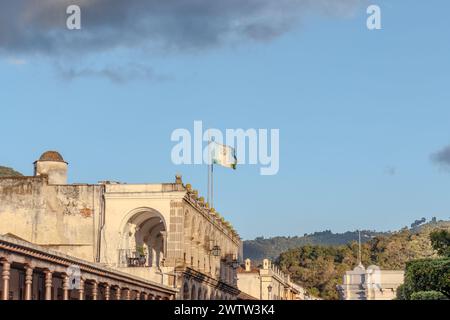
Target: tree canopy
320,268
440,241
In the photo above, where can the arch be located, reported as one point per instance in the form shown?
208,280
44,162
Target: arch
193,223
137,211
193,292
199,231
186,220
199,293
143,240
207,236
186,291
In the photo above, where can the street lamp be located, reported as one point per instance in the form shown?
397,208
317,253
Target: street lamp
269,290
235,262
215,251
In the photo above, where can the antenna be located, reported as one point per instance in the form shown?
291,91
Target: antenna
359,247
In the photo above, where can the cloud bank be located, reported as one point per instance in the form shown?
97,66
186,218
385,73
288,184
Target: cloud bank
39,27
442,157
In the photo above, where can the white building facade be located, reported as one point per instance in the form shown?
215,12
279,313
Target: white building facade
370,284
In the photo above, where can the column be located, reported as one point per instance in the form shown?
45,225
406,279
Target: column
66,287
138,295
5,279
28,282
81,290
144,296
107,291
94,290
127,294
48,285
164,245
118,293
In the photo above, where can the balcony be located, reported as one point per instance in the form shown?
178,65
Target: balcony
133,257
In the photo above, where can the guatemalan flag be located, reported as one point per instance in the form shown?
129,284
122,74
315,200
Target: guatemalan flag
223,155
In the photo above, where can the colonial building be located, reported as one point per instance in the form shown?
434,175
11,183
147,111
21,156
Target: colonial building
159,240
268,283
30,272
370,284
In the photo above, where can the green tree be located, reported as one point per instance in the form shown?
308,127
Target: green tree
440,241
427,275
428,295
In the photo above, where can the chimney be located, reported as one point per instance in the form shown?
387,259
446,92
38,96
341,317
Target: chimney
266,264
248,264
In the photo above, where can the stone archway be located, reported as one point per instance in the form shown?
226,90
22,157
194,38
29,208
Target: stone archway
143,240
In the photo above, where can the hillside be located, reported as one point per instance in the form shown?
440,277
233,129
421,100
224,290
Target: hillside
271,248
8,172
320,268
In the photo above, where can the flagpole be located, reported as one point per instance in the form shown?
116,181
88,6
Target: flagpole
212,185
209,173
209,183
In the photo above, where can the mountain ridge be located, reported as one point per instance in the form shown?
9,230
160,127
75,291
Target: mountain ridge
261,248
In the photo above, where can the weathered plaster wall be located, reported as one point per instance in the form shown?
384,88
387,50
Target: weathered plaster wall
62,217
122,202
250,283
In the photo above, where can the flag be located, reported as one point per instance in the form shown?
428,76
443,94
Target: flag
223,155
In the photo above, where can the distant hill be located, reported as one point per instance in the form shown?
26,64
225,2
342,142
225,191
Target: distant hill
271,248
8,172
320,268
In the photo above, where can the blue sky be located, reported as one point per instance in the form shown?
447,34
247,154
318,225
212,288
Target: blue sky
360,113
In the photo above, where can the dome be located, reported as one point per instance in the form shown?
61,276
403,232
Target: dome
51,156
